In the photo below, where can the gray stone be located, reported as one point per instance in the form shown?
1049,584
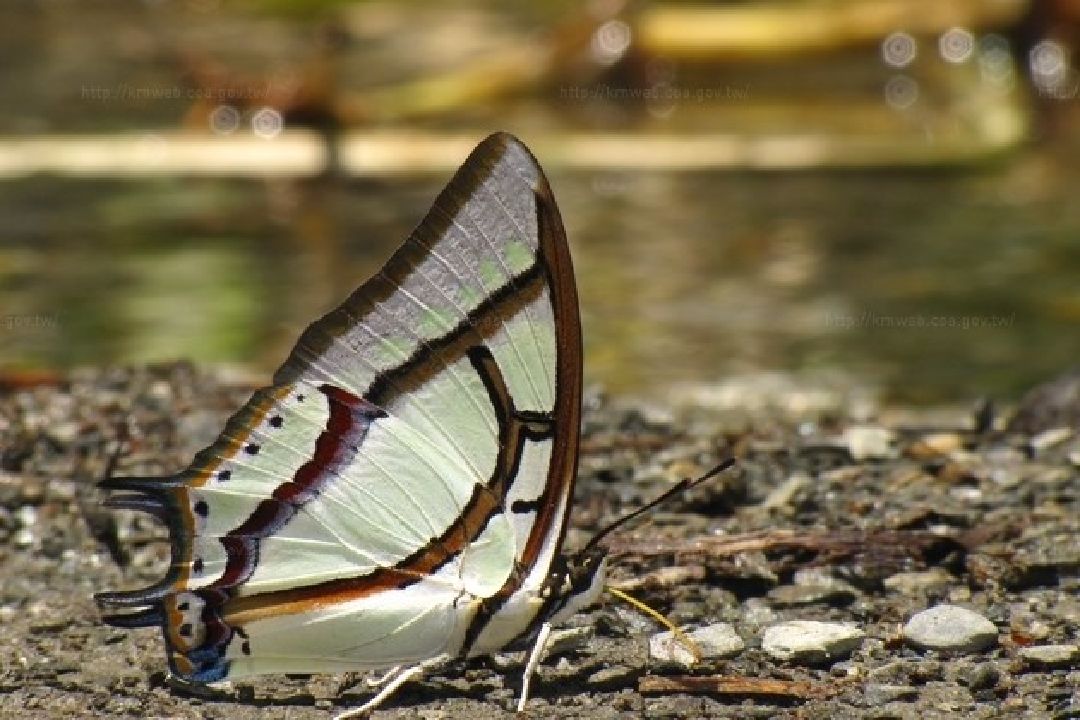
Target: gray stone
565,639
979,676
798,595
1050,655
914,583
813,586
811,641
949,627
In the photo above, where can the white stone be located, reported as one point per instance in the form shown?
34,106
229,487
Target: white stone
714,641
949,627
1049,438
811,641
866,442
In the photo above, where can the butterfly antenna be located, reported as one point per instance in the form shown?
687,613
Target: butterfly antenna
659,617
684,484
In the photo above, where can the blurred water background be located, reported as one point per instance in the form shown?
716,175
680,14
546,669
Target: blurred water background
892,200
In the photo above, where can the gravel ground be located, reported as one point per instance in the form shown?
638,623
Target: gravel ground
849,518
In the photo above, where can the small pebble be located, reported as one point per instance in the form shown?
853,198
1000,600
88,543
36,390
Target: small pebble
1040,656
949,627
814,576
1049,438
25,518
50,625
1031,628
160,390
12,490
714,641
914,583
783,496
614,676
869,442
798,595
757,613
960,594
935,445
63,433
811,641
566,639
980,676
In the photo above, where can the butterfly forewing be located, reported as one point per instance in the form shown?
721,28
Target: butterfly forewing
407,474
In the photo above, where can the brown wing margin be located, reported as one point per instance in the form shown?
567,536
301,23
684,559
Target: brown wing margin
554,253
554,257
474,172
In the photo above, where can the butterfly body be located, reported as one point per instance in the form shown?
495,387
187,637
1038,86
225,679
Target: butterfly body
400,493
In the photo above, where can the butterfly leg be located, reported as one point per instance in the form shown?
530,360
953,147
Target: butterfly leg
535,656
383,679
394,679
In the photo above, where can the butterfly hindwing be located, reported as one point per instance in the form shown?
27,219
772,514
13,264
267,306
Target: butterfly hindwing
408,472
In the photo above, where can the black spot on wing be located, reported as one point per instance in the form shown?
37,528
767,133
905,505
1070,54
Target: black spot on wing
522,507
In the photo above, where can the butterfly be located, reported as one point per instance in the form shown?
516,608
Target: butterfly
398,496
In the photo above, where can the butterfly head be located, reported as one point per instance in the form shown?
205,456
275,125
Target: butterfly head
578,582
578,579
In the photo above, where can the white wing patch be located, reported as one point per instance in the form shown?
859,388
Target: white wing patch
486,562
412,624
527,356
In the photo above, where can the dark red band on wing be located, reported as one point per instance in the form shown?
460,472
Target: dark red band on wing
347,425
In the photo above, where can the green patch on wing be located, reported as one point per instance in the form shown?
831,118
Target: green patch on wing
491,274
434,322
395,349
471,296
519,257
